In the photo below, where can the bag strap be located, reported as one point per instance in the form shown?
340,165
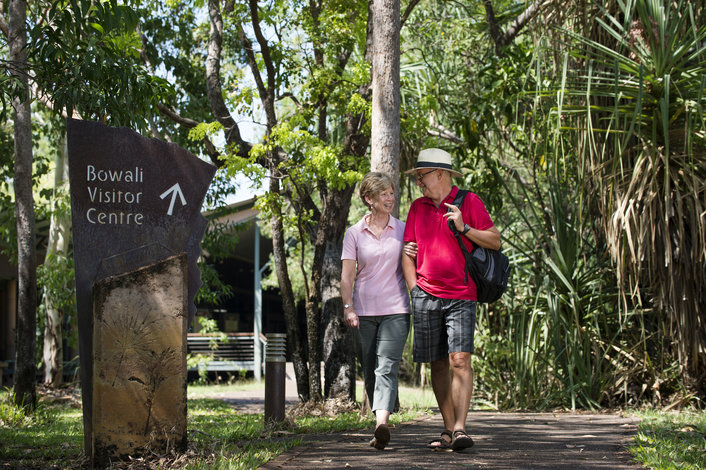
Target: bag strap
458,202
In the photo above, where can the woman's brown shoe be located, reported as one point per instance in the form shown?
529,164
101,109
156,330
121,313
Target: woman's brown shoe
381,437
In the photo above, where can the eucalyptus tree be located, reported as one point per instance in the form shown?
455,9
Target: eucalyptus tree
25,367
298,56
385,82
56,273
302,70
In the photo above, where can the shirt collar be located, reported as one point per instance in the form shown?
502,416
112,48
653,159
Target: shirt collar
367,227
449,199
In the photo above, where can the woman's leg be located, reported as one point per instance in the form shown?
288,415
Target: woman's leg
391,338
368,330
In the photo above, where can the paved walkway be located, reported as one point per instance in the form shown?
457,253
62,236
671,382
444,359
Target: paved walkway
502,441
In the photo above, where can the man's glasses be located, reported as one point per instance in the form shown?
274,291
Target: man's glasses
421,177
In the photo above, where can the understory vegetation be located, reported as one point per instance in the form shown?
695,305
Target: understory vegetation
221,437
585,139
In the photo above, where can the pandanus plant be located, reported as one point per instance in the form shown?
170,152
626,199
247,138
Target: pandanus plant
643,87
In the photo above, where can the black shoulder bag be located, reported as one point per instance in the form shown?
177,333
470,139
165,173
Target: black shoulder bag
489,269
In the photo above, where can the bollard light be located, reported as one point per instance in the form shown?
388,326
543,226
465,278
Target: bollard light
275,363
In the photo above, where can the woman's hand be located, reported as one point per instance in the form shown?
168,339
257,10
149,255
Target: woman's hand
410,249
351,319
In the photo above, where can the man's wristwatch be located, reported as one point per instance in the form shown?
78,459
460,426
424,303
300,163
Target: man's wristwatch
466,228
346,307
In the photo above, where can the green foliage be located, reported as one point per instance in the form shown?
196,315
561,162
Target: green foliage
174,38
205,129
85,56
554,338
208,327
57,280
638,92
10,88
562,336
454,84
12,415
671,440
8,224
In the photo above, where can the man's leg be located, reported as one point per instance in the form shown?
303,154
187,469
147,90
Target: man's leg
460,323
461,388
441,384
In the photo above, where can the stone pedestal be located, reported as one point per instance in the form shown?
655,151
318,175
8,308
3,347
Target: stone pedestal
139,368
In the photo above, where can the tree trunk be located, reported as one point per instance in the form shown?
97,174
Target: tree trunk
338,347
385,73
291,319
313,297
25,366
339,367
57,245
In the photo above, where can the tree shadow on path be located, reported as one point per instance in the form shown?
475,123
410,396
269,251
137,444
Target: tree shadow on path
502,441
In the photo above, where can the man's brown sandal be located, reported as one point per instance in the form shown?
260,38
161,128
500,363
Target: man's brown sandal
441,443
381,437
461,440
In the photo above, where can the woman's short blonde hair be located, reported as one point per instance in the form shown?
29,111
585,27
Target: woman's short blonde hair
373,184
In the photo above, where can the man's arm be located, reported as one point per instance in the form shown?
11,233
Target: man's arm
489,238
409,270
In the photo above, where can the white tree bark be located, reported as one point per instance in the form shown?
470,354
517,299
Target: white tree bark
385,119
57,245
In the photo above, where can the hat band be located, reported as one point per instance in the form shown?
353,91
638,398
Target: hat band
433,165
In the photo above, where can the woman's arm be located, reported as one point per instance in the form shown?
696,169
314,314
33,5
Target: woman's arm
347,277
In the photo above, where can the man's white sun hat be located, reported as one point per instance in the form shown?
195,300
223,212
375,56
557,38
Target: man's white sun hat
434,158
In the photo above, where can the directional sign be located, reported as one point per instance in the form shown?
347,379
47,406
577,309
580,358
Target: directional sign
174,191
134,202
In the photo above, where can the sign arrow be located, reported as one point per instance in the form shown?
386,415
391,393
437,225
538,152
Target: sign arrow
174,190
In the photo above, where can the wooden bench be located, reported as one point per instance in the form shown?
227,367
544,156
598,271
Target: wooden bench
236,353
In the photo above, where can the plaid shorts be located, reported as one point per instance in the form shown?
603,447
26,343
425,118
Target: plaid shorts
441,326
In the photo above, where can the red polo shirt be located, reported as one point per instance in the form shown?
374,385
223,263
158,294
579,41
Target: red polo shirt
440,263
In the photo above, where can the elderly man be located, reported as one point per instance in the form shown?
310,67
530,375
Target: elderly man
443,303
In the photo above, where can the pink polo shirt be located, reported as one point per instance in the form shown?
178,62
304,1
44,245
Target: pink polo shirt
379,288
440,263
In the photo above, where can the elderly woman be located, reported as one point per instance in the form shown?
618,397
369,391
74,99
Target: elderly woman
378,304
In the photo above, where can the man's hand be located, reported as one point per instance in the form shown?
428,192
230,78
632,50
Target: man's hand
455,215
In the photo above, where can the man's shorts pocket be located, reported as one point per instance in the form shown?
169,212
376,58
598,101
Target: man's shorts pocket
417,292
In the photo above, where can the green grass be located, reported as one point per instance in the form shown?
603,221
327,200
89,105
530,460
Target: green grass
222,438
51,436
209,391
671,440
219,436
